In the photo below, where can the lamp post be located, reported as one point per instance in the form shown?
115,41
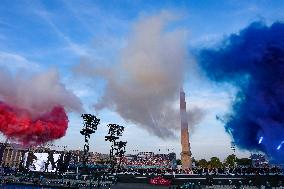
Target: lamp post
233,147
77,167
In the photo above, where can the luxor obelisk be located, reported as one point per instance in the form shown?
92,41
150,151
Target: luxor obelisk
185,145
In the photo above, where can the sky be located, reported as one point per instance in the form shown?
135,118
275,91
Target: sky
126,61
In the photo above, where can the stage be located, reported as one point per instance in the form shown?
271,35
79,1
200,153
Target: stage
142,181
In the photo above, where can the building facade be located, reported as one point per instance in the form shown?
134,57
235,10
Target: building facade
10,155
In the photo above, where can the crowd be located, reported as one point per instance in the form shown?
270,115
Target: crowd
204,171
99,176
155,164
158,161
170,171
239,171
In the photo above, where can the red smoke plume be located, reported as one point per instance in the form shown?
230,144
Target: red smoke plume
19,124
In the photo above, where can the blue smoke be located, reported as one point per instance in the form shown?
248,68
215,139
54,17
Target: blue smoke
253,61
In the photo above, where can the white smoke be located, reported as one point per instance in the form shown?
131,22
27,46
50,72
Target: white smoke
37,93
144,86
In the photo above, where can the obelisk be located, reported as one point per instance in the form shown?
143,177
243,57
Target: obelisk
185,145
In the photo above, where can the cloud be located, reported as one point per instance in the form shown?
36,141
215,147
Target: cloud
14,60
206,40
71,45
144,85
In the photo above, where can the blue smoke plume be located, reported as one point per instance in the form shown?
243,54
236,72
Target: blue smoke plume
253,61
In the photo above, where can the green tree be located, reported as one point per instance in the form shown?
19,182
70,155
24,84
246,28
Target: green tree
244,162
178,162
194,161
202,163
230,160
215,163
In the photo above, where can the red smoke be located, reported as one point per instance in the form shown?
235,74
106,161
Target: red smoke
20,125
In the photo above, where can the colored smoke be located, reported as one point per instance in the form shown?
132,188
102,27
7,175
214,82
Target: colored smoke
253,61
32,107
144,86
19,125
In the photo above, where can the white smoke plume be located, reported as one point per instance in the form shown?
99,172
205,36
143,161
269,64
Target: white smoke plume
37,93
143,87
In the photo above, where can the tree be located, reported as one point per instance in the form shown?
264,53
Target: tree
215,163
178,162
202,163
244,162
194,162
230,160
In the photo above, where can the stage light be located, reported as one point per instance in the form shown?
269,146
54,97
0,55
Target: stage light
90,126
115,131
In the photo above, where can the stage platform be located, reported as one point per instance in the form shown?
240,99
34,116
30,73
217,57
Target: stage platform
142,181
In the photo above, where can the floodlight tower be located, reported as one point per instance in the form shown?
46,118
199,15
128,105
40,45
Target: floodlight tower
90,126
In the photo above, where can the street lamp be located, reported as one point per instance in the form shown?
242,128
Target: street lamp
233,147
